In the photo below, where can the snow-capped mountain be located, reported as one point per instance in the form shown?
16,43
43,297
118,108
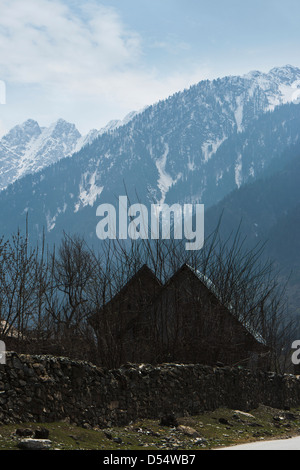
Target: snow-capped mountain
29,148
281,85
198,145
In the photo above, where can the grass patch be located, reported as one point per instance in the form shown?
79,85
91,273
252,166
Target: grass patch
210,430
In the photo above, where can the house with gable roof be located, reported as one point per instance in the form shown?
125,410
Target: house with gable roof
113,322
181,321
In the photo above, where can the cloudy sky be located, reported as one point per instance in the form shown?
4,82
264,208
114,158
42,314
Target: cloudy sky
90,61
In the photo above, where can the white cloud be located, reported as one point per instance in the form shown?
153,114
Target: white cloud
46,41
80,54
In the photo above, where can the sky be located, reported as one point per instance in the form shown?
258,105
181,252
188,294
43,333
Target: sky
91,61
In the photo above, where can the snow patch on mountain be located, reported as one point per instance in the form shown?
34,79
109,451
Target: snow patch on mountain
239,171
51,221
165,180
219,176
210,147
290,93
238,114
88,191
191,164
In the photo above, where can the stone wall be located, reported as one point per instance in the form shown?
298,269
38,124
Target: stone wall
46,388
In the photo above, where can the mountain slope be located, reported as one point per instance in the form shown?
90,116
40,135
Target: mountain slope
261,204
269,212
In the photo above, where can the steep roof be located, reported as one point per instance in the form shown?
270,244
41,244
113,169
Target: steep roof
215,291
140,276
137,277
145,271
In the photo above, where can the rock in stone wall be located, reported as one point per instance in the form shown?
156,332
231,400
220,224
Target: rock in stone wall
47,389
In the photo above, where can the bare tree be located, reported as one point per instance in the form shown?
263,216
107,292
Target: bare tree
66,299
17,285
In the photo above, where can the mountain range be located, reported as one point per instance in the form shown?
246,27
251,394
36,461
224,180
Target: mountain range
232,144
29,148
